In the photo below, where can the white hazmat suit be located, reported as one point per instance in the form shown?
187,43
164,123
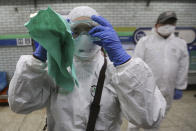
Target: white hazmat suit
129,90
169,62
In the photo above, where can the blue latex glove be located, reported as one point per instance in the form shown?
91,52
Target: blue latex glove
40,53
109,40
68,20
177,94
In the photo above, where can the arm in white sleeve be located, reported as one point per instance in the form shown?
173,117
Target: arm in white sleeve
141,101
29,88
140,48
182,74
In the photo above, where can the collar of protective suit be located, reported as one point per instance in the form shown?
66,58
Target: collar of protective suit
91,65
87,68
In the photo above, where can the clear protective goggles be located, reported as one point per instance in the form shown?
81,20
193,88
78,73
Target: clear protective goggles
86,33
81,26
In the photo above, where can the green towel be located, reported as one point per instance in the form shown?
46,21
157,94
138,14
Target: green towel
54,34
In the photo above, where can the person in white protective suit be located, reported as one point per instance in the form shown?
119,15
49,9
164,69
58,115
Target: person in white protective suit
129,88
167,56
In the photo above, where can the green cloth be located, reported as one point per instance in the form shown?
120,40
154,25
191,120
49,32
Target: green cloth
54,34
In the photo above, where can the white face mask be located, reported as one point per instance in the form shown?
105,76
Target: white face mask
166,30
84,46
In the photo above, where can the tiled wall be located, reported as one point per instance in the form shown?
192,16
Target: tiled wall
135,13
9,57
14,14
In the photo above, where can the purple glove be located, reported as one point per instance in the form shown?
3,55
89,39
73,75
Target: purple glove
40,53
177,94
109,40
